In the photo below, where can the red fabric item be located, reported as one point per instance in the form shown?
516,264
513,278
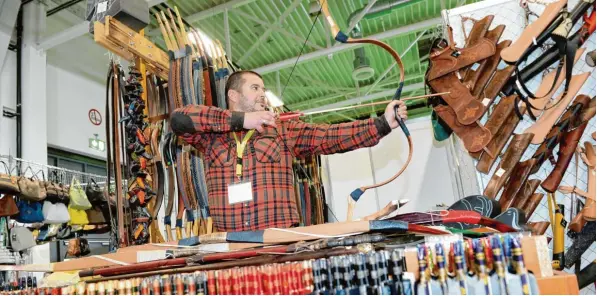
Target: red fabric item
267,162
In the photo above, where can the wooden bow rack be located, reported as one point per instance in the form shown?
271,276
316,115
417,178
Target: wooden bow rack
128,44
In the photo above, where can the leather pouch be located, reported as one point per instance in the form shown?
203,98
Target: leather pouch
95,216
8,183
515,183
29,212
474,136
8,206
31,189
95,193
509,160
467,109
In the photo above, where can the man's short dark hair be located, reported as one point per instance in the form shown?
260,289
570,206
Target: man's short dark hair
235,81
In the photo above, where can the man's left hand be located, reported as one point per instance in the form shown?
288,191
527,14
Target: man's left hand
390,114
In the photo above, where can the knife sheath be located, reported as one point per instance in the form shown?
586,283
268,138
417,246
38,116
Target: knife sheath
496,120
532,203
538,228
568,145
554,136
474,136
467,109
549,117
515,183
497,144
449,60
476,79
524,195
509,160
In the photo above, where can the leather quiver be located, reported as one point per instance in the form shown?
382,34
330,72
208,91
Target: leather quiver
515,183
568,144
509,160
476,79
524,195
587,113
448,60
466,108
497,118
554,136
538,228
8,206
499,79
474,136
479,30
531,204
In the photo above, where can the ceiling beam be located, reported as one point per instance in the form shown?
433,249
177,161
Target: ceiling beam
370,97
278,23
64,36
342,47
279,30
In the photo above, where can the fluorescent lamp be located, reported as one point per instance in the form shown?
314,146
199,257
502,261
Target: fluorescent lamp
274,101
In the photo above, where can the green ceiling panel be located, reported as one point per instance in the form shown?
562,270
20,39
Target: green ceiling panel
328,79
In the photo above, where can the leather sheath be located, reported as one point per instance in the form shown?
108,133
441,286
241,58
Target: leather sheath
476,80
449,60
556,132
515,183
524,195
568,144
532,203
538,228
466,108
474,136
497,119
498,142
509,160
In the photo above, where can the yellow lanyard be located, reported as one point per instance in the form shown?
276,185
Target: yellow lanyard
240,148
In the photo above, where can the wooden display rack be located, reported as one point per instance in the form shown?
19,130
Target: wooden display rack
128,44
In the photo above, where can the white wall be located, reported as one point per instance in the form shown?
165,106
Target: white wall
426,182
70,97
8,98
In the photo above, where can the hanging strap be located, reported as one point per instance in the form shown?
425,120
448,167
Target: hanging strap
240,148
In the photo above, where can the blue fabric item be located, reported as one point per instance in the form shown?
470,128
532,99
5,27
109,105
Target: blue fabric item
189,241
29,212
245,236
356,194
341,37
388,226
178,222
440,131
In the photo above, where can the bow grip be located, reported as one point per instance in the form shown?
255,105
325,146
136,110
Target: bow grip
397,96
356,194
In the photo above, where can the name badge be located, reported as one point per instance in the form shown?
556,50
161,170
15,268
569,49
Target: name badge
240,192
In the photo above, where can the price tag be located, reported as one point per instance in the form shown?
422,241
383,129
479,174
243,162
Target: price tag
475,66
500,172
102,7
486,102
458,75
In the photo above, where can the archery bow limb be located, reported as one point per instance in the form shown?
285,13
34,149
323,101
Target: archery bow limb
341,37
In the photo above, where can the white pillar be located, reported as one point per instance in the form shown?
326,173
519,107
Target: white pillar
33,101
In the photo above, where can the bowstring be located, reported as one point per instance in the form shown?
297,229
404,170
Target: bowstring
302,49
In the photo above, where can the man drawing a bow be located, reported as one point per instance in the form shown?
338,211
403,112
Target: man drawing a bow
248,153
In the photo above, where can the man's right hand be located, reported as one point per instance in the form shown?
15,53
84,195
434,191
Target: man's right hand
256,120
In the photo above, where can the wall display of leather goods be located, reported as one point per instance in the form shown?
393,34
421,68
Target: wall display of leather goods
531,158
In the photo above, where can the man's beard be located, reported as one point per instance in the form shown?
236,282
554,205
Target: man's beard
246,106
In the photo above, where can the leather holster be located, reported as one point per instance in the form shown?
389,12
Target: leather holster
509,160
515,184
568,144
474,136
451,59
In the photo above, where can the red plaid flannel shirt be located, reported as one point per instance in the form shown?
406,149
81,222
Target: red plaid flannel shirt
267,161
